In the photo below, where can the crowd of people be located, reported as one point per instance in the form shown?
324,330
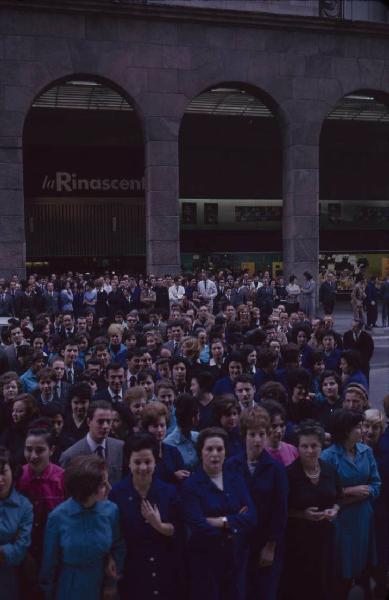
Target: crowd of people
201,436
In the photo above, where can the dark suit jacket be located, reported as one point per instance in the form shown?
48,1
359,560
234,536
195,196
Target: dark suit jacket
114,457
51,302
170,346
5,305
364,345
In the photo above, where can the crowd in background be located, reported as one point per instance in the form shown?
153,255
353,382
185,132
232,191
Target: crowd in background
208,436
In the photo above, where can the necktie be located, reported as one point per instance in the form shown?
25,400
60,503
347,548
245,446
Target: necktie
100,451
132,380
71,376
116,398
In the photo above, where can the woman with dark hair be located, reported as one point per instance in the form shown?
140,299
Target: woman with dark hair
24,410
226,411
267,482
15,528
10,387
220,515
350,365
314,495
148,510
42,482
180,368
83,549
169,462
330,387
300,336
301,402
355,544
316,367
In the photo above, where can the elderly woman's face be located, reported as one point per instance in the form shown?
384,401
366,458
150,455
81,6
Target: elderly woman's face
213,454
372,430
353,401
309,448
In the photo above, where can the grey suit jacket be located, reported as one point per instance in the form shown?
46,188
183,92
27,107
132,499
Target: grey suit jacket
114,457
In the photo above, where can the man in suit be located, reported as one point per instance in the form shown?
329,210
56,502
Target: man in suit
113,392
357,339
11,351
207,290
51,300
5,302
176,291
70,354
161,296
327,294
177,333
97,441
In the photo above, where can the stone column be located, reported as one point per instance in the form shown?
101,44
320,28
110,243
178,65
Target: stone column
12,237
162,190
300,227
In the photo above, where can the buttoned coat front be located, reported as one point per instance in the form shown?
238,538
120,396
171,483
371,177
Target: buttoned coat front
152,565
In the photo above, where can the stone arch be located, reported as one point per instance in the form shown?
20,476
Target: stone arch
95,180
353,192
216,202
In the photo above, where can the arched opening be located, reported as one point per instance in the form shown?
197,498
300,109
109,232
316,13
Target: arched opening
354,188
84,179
231,180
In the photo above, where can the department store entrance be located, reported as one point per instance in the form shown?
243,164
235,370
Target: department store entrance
84,180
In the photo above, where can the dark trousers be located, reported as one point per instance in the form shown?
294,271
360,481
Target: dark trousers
328,307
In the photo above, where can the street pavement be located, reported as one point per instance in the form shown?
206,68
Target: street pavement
379,365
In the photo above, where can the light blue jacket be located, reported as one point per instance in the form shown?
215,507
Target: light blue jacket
78,541
16,517
355,540
185,446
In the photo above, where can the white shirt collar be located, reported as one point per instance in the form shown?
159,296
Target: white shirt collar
93,445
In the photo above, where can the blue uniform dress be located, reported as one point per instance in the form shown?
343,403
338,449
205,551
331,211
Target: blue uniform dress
381,514
16,518
170,462
152,566
268,486
354,536
78,541
218,557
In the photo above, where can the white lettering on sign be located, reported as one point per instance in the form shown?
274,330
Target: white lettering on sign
70,182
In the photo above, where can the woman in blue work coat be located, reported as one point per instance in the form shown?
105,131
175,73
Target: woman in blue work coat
15,529
220,515
148,510
359,477
267,482
83,549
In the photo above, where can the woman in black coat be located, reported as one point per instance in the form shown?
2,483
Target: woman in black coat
314,493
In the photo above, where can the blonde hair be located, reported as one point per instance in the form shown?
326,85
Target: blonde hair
376,416
115,328
133,394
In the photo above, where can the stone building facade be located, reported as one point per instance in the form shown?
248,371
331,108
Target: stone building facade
160,57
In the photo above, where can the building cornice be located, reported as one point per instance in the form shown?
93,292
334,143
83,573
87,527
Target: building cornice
211,16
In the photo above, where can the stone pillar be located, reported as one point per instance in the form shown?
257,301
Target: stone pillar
12,237
300,227
162,190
